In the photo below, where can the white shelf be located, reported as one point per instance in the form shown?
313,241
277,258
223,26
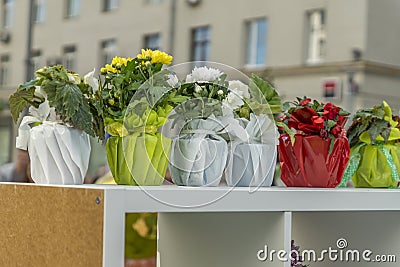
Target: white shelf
171,198
222,226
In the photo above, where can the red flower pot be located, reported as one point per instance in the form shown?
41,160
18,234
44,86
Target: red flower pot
308,163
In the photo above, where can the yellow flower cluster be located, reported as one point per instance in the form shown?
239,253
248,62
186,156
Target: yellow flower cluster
115,65
156,56
119,61
108,69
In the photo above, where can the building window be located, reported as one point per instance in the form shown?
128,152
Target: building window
69,57
109,5
51,61
256,42
8,13
39,11
108,51
152,41
72,8
201,42
4,70
316,36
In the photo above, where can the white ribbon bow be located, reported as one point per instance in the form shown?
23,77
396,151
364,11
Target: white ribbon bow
43,114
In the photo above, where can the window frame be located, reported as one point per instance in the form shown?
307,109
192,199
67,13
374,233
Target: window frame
39,11
5,69
253,40
110,5
314,46
147,39
204,44
70,54
72,10
8,14
106,59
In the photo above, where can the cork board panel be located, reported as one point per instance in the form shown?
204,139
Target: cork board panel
50,226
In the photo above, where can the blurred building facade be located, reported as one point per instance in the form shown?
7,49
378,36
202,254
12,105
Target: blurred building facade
338,50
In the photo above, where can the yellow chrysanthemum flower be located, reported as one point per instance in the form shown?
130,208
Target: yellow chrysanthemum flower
119,61
155,56
108,69
111,102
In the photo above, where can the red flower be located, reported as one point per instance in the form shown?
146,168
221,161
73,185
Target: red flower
337,130
318,121
305,102
306,120
330,111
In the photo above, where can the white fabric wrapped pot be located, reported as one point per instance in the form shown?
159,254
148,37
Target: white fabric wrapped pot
251,165
58,154
198,156
252,151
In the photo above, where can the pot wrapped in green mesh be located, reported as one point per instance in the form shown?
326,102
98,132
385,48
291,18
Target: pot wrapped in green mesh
375,149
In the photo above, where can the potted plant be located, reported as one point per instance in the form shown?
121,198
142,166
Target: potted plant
137,152
57,128
316,154
374,138
199,153
253,136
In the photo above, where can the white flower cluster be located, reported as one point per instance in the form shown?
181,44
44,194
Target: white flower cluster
204,75
238,91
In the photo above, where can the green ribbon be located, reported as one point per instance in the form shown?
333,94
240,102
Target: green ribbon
392,166
351,168
354,162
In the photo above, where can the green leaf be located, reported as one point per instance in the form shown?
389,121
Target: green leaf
27,85
371,120
21,100
286,106
331,143
286,130
377,127
331,124
70,104
263,92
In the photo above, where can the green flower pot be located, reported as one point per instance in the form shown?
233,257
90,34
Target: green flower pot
138,159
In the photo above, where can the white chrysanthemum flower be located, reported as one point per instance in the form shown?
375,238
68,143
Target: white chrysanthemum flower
220,92
197,88
90,80
232,101
173,80
204,74
239,88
